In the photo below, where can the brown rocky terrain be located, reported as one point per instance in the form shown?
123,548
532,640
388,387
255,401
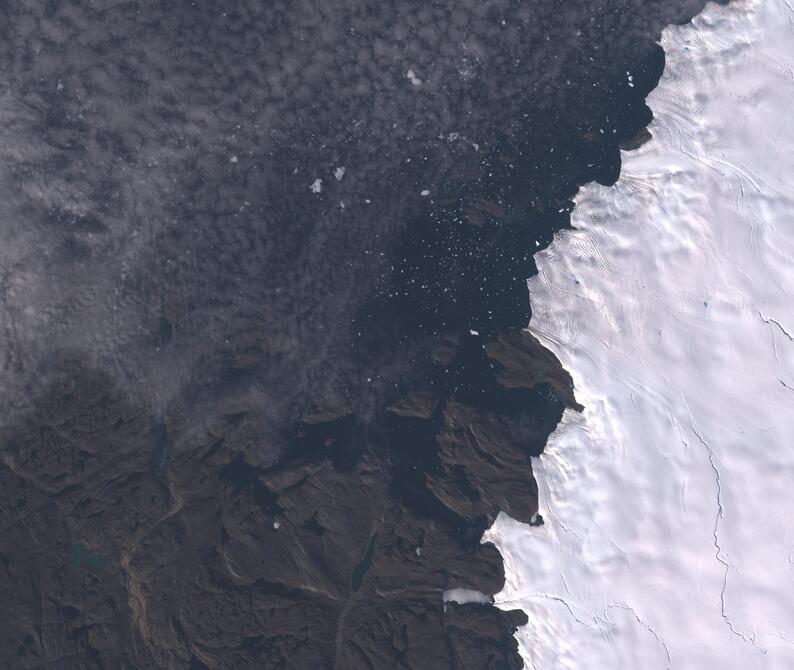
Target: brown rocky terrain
250,420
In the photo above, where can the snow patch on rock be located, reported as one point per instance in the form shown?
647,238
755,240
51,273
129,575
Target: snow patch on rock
463,596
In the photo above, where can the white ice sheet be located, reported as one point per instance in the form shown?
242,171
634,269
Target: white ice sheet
669,504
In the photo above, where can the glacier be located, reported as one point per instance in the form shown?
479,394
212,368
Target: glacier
669,529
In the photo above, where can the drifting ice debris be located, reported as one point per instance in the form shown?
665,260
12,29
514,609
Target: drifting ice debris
276,524
425,193
474,332
413,78
339,173
233,159
317,186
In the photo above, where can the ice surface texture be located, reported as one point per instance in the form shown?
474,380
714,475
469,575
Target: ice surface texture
668,539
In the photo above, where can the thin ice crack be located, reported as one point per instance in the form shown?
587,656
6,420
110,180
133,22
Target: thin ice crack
546,596
770,321
645,626
541,473
782,637
718,548
596,619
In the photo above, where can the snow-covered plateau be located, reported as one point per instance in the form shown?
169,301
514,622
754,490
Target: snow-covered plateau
669,502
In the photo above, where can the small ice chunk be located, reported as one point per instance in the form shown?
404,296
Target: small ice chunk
339,173
276,524
425,193
411,76
317,186
419,552
233,159
474,332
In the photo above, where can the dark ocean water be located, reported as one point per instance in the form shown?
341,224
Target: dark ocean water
229,365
